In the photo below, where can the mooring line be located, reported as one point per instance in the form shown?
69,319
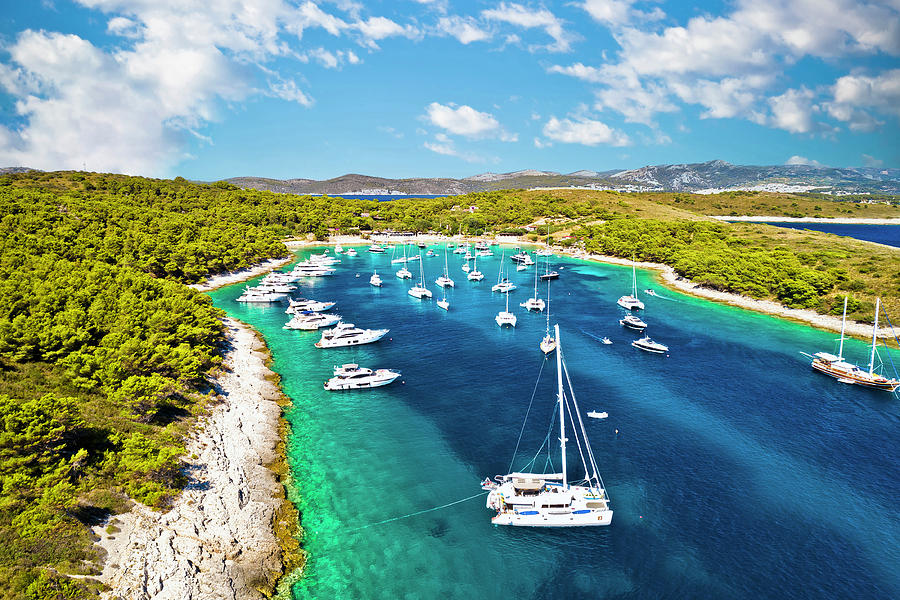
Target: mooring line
419,512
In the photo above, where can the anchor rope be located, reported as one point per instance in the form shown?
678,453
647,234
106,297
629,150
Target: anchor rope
418,512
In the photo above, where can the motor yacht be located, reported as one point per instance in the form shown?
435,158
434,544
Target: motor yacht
645,343
351,376
310,321
633,322
302,304
259,295
348,334
375,279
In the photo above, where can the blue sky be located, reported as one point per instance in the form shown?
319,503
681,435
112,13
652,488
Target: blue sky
296,88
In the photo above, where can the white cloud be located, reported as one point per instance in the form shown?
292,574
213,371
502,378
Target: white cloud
445,146
467,121
802,160
582,130
379,28
610,12
871,161
516,14
464,29
792,111
329,59
579,71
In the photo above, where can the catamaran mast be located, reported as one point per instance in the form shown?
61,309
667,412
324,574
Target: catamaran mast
562,420
548,305
633,279
843,322
874,336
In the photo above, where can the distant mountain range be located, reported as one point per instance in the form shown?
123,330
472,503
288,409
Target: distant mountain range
707,177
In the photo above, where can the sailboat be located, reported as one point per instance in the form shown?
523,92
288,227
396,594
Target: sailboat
443,302
845,372
475,274
534,303
550,499
403,273
506,317
420,291
444,280
548,344
503,285
631,302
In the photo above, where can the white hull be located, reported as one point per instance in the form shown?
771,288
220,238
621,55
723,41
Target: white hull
475,276
336,338
505,318
444,282
536,304
443,304
420,293
630,303
552,506
380,378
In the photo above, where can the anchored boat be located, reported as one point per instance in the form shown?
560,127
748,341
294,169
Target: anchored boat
527,499
353,377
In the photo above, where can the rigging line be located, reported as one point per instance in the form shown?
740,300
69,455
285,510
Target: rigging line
418,512
522,430
590,451
894,333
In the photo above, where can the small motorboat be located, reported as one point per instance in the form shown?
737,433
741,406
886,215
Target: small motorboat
444,304
351,252
430,253
645,343
550,275
597,415
606,340
650,292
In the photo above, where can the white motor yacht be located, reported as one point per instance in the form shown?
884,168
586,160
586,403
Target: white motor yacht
554,499
645,343
259,295
310,321
338,249
376,249
375,279
633,322
404,273
353,377
283,288
351,252
302,304
348,334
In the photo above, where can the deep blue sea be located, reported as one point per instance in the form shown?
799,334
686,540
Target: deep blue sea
737,471
883,234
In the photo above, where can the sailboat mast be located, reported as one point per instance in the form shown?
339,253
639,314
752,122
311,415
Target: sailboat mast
562,416
874,336
548,307
633,279
843,322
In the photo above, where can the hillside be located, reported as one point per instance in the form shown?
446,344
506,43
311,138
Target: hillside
710,176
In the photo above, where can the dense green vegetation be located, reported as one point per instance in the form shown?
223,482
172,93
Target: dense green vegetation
105,353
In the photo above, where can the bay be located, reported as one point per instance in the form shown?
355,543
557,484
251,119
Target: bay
881,234
737,471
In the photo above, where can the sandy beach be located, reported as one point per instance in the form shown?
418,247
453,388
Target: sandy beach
217,540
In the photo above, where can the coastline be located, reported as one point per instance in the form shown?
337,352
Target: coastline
219,539
223,279
671,279
834,220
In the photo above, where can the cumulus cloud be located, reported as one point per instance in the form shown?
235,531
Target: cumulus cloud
802,160
464,29
466,121
871,161
582,130
520,16
732,64
132,105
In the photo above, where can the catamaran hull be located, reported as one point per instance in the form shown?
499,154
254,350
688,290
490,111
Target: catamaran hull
846,377
589,519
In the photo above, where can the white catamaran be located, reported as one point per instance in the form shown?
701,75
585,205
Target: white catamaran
551,499
631,302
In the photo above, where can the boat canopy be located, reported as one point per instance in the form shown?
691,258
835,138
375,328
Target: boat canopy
827,357
546,476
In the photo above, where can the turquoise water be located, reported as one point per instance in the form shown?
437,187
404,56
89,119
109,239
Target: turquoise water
737,472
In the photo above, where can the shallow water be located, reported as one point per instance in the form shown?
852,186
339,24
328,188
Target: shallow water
737,471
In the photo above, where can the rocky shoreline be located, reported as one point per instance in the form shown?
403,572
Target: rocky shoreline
218,540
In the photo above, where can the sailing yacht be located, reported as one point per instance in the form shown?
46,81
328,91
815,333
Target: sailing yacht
444,280
631,302
506,317
503,284
375,279
551,499
846,372
534,303
475,274
548,344
420,291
